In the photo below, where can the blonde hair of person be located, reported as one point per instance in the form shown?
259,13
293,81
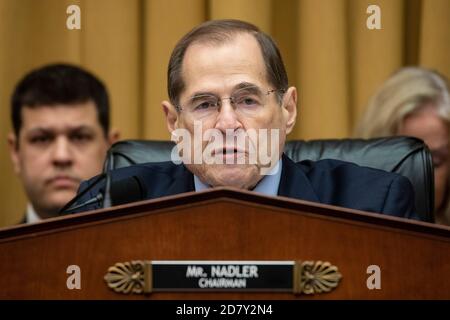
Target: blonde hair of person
405,92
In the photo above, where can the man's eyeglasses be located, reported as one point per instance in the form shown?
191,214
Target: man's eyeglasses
247,101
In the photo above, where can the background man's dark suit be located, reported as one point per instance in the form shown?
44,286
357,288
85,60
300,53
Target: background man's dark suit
327,181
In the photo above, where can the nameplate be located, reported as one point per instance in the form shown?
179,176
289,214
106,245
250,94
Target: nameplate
222,276
145,276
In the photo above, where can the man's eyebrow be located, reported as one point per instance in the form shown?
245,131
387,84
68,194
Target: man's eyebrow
201,94
242,85
53,130
81,128
37,130
247,85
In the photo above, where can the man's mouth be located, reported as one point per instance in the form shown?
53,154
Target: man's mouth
227,151
63,181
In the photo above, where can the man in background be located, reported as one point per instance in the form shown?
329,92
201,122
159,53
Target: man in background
61,133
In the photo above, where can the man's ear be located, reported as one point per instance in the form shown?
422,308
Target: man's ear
171,116
290,108
13,144
113,136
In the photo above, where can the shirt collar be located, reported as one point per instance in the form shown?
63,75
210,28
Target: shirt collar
268,185
32,216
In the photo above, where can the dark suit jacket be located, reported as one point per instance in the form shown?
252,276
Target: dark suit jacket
326,181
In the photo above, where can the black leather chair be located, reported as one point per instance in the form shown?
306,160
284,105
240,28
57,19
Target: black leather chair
404,155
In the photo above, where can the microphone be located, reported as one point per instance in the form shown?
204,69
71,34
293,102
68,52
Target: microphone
130,189
71,204
107,199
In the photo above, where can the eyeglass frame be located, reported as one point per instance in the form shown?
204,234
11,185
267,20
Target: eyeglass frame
179,108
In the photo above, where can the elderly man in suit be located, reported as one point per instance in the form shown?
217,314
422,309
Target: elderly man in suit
226,79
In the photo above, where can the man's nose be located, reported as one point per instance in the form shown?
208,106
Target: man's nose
62,153
227,117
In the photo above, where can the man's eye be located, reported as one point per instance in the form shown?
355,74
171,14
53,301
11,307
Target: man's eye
247,101
205,105
80,137
40,139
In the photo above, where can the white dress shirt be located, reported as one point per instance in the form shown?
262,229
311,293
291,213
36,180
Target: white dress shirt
31,215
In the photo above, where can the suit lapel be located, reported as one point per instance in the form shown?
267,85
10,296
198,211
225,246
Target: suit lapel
294,182
182,181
